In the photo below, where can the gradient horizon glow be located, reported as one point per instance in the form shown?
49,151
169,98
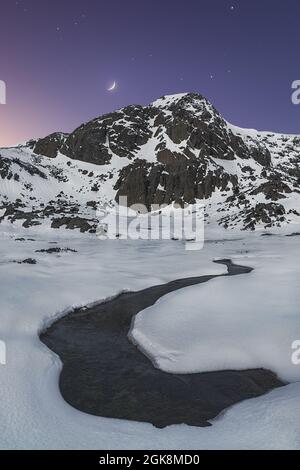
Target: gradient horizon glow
58,59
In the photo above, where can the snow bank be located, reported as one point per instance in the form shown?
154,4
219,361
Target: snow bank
240,322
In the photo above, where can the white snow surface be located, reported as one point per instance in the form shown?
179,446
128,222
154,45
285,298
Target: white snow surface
241,322
34,415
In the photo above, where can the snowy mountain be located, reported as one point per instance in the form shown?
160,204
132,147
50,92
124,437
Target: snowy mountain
178,149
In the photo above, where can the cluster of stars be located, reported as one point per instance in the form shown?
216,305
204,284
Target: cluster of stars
59,31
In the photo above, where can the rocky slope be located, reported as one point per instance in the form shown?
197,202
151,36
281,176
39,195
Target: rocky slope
178,149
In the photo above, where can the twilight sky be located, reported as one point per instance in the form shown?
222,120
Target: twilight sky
58,57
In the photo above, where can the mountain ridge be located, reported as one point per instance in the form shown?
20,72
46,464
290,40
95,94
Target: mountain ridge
178,149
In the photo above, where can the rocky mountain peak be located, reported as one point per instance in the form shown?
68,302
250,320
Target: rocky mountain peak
177,149
189,101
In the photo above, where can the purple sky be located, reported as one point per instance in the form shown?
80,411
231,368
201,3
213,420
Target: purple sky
59,56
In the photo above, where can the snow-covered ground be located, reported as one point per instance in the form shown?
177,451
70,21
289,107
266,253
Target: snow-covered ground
239,323
242,321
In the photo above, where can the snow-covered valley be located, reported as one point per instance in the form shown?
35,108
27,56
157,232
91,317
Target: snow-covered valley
33,413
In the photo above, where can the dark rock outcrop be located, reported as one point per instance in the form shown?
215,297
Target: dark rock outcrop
264,213
50,145
176,179
274,190
72,223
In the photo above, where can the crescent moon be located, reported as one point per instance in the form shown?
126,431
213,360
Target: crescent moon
111,88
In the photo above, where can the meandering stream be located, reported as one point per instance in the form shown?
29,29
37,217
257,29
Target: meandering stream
105,374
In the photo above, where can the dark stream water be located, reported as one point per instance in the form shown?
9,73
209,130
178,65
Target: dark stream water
105,374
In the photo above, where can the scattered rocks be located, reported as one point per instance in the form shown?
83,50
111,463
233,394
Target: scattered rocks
26,261
56,250
71,223
268,214
92,204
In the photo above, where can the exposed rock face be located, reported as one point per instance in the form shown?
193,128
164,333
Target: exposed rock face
178,149
190,121
87,143
121,132
183,176
175,180
72,223
261,155
10,168
274,189
49,146
264,213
